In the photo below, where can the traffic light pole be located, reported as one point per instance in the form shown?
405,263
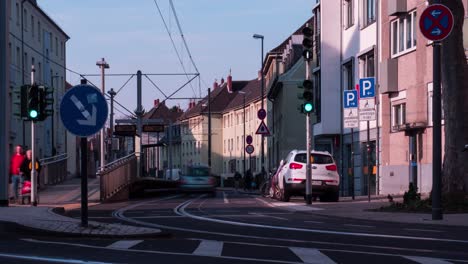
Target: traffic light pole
33,155
309,139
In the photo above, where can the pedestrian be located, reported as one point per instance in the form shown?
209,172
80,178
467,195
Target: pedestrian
15,174
26,169
248,180
237,177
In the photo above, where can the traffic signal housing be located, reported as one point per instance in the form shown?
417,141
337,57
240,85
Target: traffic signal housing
307,42
307,95
33,103
46,102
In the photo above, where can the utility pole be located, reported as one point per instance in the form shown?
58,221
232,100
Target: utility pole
4,142
103,65
262,147
209,127
309,142
112,94
139,113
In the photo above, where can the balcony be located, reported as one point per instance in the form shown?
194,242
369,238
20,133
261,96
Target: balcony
388,74
397,7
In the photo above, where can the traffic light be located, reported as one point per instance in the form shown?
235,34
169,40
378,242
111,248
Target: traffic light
45,100
33,103
20,99
307,42
308,96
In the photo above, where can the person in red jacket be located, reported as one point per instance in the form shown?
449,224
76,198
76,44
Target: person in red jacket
15,174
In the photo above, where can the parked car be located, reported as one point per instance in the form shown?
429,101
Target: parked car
290,179
198,179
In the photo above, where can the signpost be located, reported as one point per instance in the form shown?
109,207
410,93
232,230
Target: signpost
249,149
261,114
351,120
83,112
436,23
249,139
263,129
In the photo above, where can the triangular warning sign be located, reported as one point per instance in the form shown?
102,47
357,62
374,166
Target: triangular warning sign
263,129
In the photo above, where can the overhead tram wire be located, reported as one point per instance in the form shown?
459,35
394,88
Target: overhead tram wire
173,43
131,77
151,81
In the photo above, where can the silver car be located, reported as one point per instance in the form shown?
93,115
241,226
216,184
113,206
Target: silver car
198,179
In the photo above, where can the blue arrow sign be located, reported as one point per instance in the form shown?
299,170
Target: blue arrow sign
367,87
83,110
350,99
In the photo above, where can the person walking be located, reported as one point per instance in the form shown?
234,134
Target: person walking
26,168
248,180
15,173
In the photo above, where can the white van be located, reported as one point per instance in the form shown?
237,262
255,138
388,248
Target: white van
176,173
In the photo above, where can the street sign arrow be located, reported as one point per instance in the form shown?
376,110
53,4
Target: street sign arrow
436,13
90,119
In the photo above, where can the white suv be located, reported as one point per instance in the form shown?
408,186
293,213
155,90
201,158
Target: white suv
291,177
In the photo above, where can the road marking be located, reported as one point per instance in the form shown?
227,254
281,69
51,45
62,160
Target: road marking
311,255
424,260
53,260
290,206
313,222
365,226
157,217
269,216
124,244
181,211
423,230
209,248
226,201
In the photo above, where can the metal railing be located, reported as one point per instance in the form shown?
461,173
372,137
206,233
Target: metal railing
117,175
54,170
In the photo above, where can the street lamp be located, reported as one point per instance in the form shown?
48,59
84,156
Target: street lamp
103,65
243,150
257,36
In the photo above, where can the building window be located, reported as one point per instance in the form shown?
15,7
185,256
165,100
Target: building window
349,13
25,20
39,31
398,115
18,59
56,46
32,26
368,12
348,76
367,65
25,61
403,34
17,14
318,96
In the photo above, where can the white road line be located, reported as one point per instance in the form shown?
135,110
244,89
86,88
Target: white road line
365,226
423,230
424,260
269,216
124,244
311,255
53,260
209,248
313,222
226,201
290,206
157,217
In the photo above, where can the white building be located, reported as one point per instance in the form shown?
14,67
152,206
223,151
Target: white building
35,39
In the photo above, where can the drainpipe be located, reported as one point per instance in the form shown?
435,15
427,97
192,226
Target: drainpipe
377,141
341,104
22,64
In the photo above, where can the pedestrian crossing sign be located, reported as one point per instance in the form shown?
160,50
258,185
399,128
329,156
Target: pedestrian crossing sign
263,129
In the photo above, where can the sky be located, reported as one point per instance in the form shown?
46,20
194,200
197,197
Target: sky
131,36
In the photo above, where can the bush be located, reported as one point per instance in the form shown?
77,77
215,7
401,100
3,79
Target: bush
411,196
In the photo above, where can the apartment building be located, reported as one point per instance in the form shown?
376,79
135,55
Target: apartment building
35,39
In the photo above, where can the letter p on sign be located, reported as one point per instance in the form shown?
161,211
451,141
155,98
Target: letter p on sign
367,87
350,99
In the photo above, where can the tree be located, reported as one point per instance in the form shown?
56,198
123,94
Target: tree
455,98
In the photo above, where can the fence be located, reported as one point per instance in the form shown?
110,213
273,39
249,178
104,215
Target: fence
117,175
54,170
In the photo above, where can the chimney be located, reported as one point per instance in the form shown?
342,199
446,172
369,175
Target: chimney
156,103
215,85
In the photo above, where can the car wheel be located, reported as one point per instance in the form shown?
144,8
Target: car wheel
334,197
286,196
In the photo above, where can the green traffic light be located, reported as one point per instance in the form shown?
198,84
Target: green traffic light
33,114
308,107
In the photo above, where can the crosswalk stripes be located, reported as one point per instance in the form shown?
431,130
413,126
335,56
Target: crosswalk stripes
209,248
311,255
124,244
424,260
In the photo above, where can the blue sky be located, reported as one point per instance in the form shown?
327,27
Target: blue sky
131,36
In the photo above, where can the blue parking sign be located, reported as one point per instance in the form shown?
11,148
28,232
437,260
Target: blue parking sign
350,99
367,87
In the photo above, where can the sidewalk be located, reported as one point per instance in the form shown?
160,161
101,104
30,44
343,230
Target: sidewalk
43,219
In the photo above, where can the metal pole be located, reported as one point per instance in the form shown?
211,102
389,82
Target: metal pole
103,65
243,151
4,142
309,134
112,94
352,162
157,155
23,66
33,150
84,182
139,114
209,127
368,163
169,149
263,88
436,136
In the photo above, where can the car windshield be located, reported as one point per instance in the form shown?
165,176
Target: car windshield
199,172
317,158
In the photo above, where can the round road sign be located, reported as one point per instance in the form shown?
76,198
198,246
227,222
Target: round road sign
249,139
436,22
261,114
249,149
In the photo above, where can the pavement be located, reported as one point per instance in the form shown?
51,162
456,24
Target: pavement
47,218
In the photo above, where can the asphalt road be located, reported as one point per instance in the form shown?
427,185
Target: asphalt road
241,228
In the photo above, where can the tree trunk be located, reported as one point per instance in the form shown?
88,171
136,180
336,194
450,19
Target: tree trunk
455,108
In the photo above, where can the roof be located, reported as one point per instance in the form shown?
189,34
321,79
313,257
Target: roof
164,113
220,98
34,3
252,93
